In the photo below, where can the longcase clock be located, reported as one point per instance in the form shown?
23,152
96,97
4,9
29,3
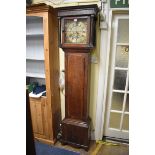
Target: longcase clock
77,39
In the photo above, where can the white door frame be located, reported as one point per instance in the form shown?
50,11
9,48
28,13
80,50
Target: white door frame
103,70
108,131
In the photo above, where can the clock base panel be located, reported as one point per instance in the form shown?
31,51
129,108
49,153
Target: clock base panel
76,133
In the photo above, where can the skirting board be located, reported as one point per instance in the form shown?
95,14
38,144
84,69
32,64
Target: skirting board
119,140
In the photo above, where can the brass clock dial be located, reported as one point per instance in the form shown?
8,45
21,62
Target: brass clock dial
76,31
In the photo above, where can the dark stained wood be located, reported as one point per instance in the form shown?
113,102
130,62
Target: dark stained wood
88,12
76,124
78,10
76,132
76,65
77,121
87,45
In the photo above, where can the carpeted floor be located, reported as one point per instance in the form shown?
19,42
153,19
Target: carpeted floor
44,149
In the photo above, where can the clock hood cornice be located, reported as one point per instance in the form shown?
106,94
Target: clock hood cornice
82,10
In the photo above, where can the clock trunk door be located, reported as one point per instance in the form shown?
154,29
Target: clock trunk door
77,70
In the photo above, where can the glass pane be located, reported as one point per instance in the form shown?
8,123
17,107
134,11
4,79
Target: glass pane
35,68
34,25
126,122
76,31
127,104
35,47
115,120
122,56
120,79
117,101
123,31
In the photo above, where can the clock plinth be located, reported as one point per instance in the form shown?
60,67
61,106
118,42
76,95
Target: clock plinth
77,38
76,132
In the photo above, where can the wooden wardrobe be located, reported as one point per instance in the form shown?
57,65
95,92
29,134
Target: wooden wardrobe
42,66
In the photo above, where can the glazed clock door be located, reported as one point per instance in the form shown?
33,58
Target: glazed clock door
75,31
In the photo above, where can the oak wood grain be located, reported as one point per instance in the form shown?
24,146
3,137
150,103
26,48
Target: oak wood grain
76,124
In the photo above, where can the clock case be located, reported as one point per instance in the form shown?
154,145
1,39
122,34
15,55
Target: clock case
76,124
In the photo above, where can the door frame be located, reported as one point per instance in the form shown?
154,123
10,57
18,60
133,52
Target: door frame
104,60
109,131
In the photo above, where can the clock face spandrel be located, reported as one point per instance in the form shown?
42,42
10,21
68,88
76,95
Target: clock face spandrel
75,31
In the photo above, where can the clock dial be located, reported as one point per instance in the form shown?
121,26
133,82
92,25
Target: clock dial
76,31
